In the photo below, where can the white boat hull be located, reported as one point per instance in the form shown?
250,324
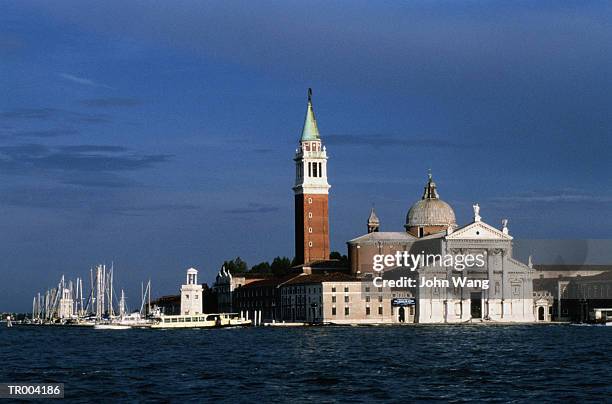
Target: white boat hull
111,327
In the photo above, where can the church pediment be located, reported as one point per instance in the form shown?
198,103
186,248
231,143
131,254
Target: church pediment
478,231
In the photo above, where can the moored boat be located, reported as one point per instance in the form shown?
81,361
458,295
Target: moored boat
201,321
111,327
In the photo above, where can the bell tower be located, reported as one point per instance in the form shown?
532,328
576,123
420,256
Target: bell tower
311,193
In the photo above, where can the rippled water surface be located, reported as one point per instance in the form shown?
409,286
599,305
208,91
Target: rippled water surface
409,363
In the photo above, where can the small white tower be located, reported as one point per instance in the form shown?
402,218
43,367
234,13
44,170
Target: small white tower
65,304
191,294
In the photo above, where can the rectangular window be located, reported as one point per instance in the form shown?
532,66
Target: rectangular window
346,311
333,299
333,311
367,289
367,311
380,310
380,298
314,170
334,289
367,299
320,170
346,290
346,299
310,169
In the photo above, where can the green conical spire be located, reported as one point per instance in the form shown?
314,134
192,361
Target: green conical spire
310,131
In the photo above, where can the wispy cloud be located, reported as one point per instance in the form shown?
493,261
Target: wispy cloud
75,158
561,196
56,114
111,102
252,208
82,80
45,133
67,197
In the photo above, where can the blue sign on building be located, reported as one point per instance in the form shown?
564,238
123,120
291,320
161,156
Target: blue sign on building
403,301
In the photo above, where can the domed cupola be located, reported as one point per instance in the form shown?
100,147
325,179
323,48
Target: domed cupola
431,214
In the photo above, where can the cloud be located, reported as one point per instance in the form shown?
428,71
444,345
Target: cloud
75,160
56,114
143,210
111,102
82,80
44,133
252,208
561,196
99,180
85,148
67,197
374,140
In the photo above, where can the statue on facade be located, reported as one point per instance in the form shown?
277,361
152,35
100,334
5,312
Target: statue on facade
476,212
505,226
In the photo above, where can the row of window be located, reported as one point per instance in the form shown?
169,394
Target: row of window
347,311
301,289
300,299
316,146
315,170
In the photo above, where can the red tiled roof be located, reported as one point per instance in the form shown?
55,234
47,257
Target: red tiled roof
325,277
268,282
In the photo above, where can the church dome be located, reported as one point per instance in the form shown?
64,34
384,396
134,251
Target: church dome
430,212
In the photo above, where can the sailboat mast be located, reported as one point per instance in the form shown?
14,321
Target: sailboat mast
149,288
110,298
82,308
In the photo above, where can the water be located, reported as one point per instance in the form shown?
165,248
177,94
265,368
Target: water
410,363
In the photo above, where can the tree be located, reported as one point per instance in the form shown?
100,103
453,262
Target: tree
335,255
261,268
236,266
280,266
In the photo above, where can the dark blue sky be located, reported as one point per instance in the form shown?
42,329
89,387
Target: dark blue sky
160,135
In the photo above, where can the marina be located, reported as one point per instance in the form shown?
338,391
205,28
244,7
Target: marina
102,309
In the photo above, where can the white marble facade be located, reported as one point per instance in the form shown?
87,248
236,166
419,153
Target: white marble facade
509,297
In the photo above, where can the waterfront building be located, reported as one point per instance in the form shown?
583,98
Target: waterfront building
260,296
339,298
431,228
226,285
191,294
577,290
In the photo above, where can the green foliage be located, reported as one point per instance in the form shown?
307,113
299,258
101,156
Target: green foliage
236,266
335,255
280,266
261,268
